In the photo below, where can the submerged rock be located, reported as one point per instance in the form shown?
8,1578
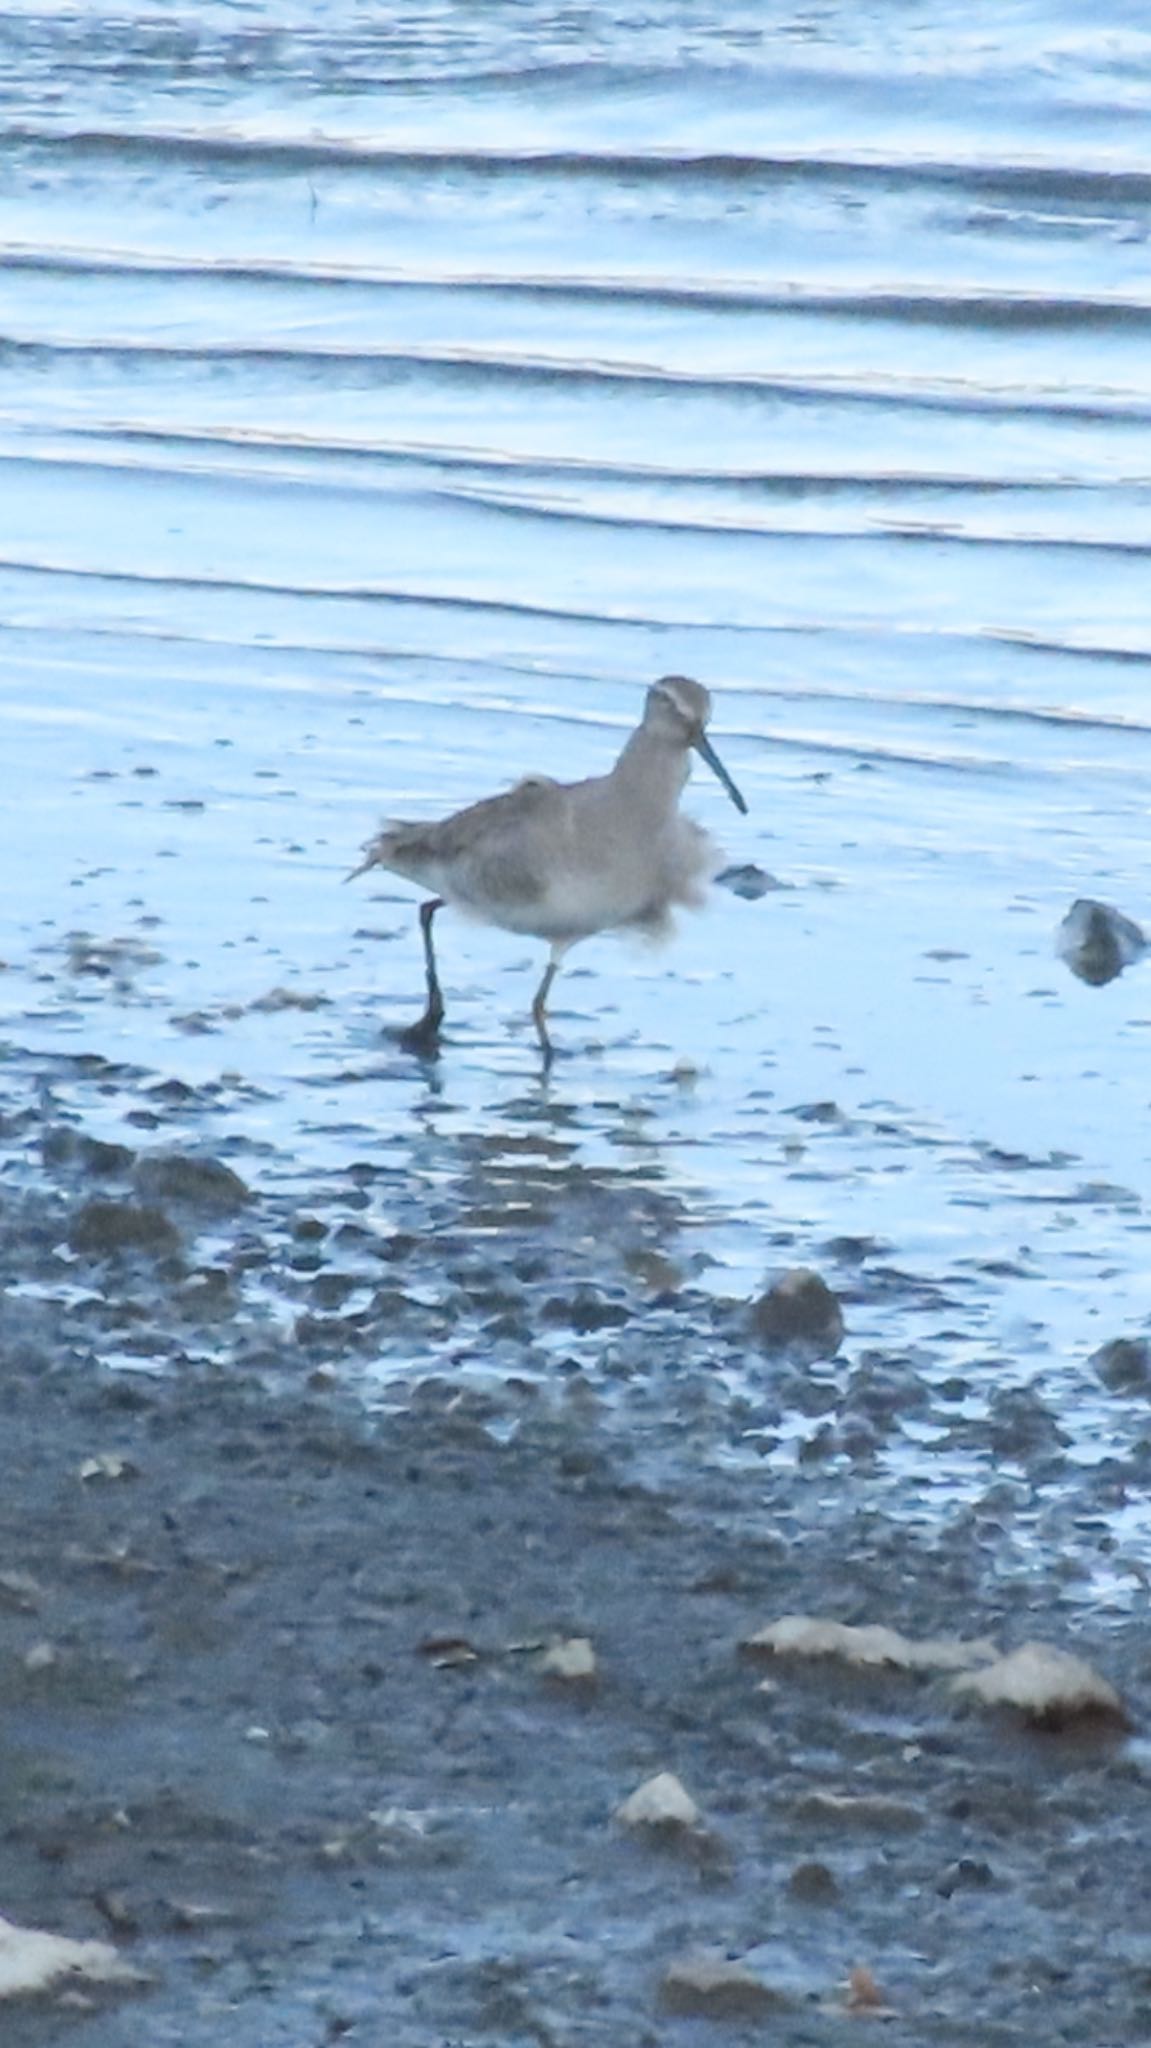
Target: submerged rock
813,1884
63,1145
103,1228
799,1313
194,1179
1097,942
1124,1365
748,881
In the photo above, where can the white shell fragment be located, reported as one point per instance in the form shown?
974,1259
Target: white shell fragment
713,1987
107,1465
32,1961
805,1635
572,1660
1045,1684
660,1802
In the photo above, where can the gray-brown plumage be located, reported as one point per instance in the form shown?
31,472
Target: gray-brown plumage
561,860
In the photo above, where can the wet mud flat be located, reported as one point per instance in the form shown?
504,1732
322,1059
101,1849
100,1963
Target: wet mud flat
277,1718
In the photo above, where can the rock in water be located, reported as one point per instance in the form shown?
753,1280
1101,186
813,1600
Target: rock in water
1097,942
1124,1364
104,1229
800,1314
194,1179
715,1988
749,881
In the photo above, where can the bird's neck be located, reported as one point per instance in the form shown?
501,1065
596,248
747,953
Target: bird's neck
652,771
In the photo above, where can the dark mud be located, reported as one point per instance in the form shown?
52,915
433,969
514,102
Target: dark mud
295,1495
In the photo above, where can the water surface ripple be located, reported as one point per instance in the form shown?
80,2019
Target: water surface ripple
384,402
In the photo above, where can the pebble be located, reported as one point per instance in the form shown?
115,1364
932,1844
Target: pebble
1124,1364
800,1314
105,1227
1097,942
702,1986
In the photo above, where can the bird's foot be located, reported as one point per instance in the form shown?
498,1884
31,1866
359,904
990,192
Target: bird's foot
423,1038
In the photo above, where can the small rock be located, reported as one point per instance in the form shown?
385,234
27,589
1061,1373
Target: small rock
799,1313
107,1465
572,1661
197,1181
1124,1365
105,1227
1097,942
863,1995
871,1811
61,1145
309,1229
1050,1687
869,1643
1021,1426
288,999
813,1883
661,1804
32,1962
41,1657
21,1591
585,1311
710,1987
970,1874
748,880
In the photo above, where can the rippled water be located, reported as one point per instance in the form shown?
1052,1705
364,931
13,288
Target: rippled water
386,398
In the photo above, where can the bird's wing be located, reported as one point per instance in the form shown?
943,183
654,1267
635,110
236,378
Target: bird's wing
493,848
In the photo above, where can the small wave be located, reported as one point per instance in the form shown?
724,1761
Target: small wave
450,603
1044,181
481,462
477,366
368,593
902,533
1059,716
1024,310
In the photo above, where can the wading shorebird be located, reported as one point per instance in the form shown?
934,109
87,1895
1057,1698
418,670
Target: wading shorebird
562,860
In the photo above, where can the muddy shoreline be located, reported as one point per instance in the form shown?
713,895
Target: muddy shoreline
274,1718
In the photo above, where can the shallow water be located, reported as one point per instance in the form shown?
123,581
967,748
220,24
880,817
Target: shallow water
382,406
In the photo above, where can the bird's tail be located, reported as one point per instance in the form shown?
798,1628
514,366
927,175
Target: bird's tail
385,849
370,860
374,855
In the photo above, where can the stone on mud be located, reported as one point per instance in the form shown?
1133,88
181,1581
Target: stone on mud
864,1644
799,1313
748,880
867,1811
570,1662
1049,1687
1124,1365
813,1884
702,1986
661,1804
62,1145
32,1962
103,1228
1097,942
193,1179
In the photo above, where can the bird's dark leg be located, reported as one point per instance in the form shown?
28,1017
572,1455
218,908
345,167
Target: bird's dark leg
539,1010
424,1037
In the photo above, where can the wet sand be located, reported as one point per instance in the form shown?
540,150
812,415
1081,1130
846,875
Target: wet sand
274,1714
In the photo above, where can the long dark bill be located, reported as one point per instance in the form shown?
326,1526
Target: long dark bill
706,751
